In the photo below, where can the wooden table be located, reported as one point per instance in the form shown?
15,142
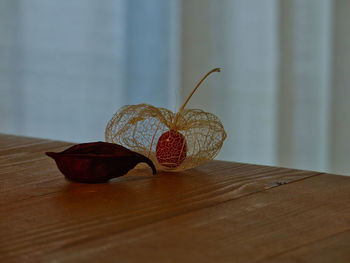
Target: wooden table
219,212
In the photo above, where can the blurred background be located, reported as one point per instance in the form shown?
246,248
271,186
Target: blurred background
283,94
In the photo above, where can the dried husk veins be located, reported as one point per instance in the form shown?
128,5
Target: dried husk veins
138,127
97,162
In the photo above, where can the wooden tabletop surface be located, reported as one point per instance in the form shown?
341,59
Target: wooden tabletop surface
218,212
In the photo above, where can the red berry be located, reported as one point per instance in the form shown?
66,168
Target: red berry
171,149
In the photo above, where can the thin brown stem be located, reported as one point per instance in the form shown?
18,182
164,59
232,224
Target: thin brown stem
198,84
189,97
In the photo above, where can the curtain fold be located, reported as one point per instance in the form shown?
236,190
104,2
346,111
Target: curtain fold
305,73
242,38
68,59
340,93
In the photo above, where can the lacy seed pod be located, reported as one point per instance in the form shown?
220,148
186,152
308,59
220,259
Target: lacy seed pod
173,141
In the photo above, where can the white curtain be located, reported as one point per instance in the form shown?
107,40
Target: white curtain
67,66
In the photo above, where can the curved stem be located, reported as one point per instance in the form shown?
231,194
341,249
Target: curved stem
198,84
193,91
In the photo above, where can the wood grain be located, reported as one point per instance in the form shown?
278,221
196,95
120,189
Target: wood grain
221,211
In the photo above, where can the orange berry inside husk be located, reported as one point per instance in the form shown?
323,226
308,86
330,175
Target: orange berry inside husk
171,149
